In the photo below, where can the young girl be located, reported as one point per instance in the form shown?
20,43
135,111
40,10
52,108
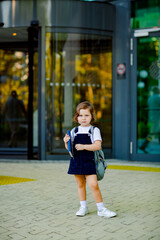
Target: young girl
82,165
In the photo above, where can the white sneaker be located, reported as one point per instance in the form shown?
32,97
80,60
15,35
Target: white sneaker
82,211
106,213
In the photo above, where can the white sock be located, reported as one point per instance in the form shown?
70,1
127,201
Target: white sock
83,203
100,206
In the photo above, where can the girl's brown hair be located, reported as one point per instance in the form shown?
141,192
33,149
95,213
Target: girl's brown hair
84,105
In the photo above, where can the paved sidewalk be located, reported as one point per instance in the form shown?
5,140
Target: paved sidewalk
45,209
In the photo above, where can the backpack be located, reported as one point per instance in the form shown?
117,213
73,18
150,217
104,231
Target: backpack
100,162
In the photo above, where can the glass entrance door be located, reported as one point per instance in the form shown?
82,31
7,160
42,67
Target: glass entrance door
146,104
78,68
18,94
13,99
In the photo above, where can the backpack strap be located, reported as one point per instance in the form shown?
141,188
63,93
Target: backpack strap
74,131
91,130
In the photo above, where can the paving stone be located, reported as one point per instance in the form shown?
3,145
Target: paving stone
16,237
3,230
2,237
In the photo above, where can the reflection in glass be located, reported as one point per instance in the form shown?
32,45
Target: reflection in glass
13,98
15,113
148,96
78,68
35,100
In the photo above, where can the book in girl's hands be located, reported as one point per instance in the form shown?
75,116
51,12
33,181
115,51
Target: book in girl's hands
69,144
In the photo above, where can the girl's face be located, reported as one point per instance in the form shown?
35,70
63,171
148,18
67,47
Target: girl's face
84,117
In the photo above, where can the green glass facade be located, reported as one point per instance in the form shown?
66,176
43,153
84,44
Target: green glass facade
145,14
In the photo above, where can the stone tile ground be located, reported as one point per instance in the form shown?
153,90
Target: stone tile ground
45,209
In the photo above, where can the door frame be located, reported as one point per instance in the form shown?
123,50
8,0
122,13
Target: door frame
133,90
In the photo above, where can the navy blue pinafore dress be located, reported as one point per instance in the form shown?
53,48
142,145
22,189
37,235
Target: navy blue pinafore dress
83,161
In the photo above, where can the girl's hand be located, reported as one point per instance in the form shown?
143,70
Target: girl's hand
89,147
66,138
79,147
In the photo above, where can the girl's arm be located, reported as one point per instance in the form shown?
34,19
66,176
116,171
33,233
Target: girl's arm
89,147
66,139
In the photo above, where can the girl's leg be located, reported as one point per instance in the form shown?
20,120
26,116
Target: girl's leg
81,183
93,185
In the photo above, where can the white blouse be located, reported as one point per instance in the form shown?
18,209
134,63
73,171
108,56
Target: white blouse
96,133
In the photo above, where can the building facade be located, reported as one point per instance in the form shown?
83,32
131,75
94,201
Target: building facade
57,53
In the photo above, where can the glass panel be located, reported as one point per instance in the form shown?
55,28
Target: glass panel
35,100
13,99
78,68
145,13
148,95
